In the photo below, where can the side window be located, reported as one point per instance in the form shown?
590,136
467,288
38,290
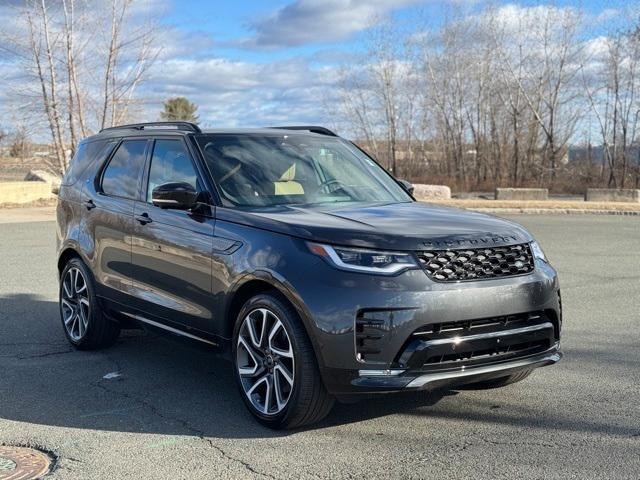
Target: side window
85,154
170,163
121,176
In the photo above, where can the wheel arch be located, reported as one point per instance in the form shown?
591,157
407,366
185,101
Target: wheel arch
65,255
260,282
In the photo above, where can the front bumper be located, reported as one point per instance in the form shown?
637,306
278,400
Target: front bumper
341,307
396,379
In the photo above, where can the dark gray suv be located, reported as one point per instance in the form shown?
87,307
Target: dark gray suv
293,251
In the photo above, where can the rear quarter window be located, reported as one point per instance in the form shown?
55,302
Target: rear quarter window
86,154
121,176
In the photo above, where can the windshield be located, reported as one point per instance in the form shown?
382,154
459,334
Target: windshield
285,169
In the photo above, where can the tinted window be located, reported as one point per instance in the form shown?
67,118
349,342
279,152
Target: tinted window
170,163
86,153
121,176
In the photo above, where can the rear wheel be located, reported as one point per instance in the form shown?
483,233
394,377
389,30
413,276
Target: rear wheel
85,326
275,365
500,382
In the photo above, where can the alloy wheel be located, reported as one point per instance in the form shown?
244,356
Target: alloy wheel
265,361
74,300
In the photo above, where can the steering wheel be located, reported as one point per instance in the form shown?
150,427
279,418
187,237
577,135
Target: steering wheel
327,185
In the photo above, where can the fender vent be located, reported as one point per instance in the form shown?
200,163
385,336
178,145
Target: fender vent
371,327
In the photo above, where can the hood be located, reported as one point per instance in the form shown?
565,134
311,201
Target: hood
397,226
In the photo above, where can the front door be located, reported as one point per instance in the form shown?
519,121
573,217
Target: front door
171,251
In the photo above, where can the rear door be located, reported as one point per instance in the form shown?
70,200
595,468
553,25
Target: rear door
109,200
172,249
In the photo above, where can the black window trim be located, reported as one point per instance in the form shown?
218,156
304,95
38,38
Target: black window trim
105,165
197,157
214,188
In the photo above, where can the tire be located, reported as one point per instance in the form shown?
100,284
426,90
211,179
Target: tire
84,324
499,382
307,400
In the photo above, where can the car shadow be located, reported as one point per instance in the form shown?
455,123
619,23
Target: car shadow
149,384
145,383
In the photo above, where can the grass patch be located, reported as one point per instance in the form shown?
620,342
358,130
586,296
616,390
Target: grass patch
539,204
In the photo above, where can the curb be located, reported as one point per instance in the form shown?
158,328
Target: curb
559,211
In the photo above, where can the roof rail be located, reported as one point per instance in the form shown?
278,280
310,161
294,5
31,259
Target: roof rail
192,127
309,128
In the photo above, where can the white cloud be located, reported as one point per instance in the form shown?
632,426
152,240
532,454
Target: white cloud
517,19
318,21
233,93
605,15
597,48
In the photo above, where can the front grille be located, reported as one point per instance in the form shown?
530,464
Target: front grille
477,263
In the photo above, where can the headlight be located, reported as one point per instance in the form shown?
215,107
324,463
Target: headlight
364,261
537,251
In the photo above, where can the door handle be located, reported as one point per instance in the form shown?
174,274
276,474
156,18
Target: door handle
89,204
143,218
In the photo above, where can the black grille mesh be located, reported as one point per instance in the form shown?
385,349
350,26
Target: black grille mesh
477,263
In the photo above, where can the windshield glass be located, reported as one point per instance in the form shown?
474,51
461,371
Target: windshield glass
266,170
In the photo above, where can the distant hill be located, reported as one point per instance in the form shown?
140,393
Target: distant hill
581,154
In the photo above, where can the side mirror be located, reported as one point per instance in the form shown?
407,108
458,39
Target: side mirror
176,195
408,187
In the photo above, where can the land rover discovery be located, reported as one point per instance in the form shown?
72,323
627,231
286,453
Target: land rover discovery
292,251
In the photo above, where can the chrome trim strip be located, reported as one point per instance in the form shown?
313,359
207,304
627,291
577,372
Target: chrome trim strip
481,336
537,361
380,373
170,329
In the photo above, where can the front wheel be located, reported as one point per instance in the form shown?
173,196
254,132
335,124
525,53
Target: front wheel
275,366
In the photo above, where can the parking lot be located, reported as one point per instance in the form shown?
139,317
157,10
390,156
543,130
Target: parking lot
174,412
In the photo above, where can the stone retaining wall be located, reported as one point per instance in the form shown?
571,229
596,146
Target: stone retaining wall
612,195
522,194
430,192
24,192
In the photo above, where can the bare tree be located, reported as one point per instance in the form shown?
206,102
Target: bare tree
63,49
611,89
20,144
544,75
375,93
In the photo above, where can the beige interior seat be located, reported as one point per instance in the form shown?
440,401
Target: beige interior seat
287,185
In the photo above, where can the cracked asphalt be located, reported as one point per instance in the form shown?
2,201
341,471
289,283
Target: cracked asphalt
173,412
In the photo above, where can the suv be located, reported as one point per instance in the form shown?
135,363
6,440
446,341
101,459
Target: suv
294,252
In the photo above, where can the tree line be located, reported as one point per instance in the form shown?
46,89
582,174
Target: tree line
497,99
507,96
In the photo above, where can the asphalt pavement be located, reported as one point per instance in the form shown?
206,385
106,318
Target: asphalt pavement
169,411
